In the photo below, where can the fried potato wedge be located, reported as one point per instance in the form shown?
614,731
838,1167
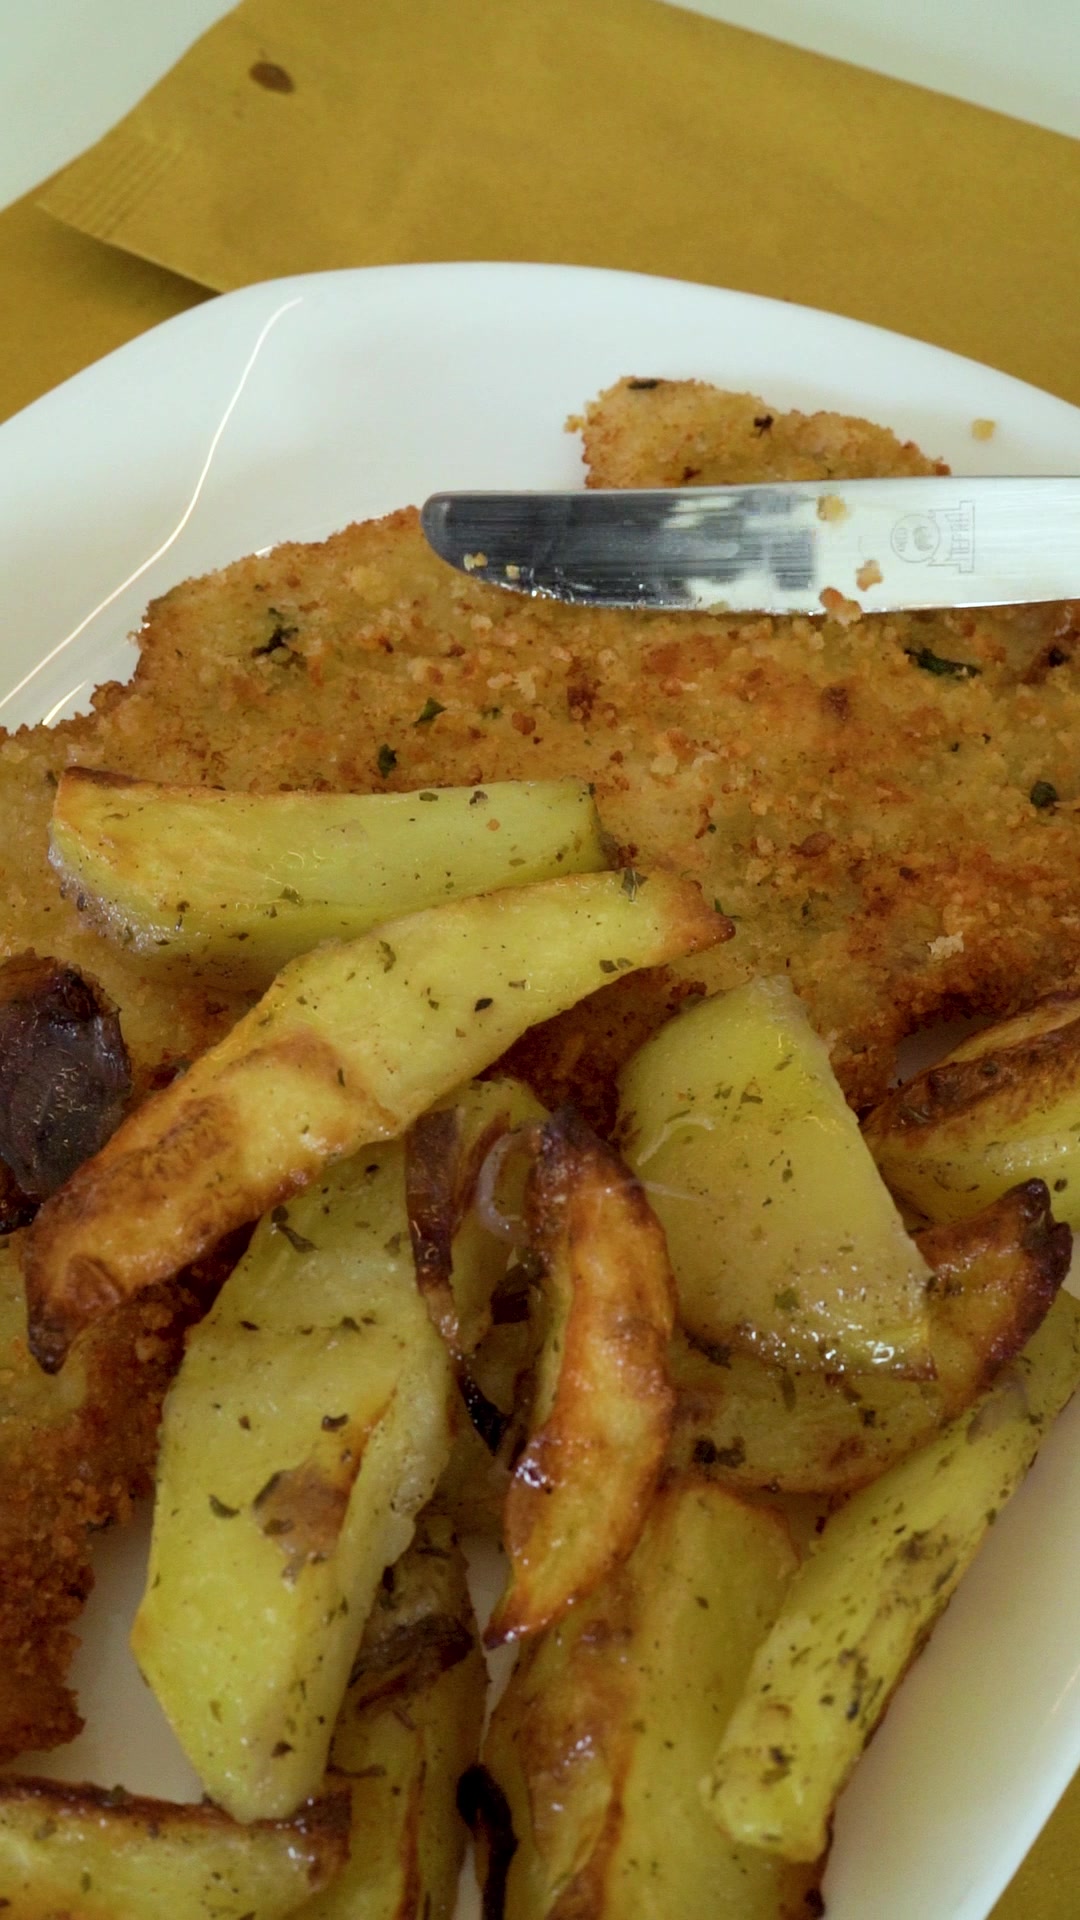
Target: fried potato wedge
993,1279
409,1728
249,880
1002,1107
602,1402
462,1250
350,1044
475,1484
465,1168
751,1424
783,1236
88,1854
309,1423
590,1808
862,1604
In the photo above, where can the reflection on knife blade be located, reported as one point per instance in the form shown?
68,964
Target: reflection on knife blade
905,543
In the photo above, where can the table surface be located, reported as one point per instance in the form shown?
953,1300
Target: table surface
70,68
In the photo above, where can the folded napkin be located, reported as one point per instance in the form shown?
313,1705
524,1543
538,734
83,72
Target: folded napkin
620,133
65,300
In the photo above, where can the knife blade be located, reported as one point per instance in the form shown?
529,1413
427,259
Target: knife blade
884,545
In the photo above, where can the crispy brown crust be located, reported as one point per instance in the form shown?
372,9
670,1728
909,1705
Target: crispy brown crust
62,1480
995,1278
683,433
612,1303
1007,1073
324,1820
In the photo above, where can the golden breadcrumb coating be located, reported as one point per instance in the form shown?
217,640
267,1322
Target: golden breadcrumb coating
868,798
680,433
75,1451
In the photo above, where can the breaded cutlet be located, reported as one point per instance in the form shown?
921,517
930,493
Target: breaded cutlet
75,1450
870,802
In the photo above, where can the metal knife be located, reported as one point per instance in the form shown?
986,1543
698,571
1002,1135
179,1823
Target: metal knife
882,545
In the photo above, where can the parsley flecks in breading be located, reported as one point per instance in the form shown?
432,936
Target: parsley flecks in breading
931,662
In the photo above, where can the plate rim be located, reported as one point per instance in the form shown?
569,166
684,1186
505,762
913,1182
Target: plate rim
156,345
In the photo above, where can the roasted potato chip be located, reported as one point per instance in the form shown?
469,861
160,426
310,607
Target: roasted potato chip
461,1249
598,1746
783,1236
862,1604
249,880
602,1406
752,1424
95,1855
1003,1107
350,1044
992,1280
309,1424
408,1729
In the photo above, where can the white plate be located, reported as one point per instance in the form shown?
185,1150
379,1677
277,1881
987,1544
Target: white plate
285,410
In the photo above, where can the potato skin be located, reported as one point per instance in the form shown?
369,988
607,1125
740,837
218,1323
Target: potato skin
590,1808
96,1853
995,1277
1001,1108
603,1403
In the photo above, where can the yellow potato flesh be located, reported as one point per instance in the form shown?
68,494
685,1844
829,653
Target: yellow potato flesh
309,1423
859,1609
605,1730
249,880
91,1855
782,1234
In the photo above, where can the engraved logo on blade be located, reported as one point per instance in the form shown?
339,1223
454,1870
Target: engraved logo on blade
943,537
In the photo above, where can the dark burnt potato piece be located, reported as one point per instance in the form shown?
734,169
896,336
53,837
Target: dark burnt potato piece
65,1076
17,1209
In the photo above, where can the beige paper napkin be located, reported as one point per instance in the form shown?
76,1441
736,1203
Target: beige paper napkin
619,133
